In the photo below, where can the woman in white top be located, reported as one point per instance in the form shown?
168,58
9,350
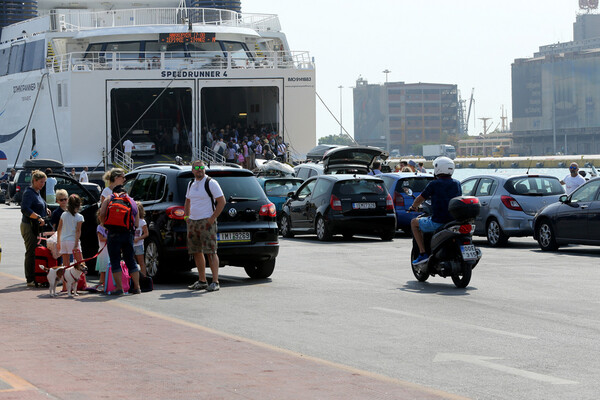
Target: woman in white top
112,178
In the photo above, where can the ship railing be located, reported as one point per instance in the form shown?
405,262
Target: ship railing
122,160
199,61
208,155
78,20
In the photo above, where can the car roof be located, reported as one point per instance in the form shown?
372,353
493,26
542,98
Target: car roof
402,175
507,177
343,177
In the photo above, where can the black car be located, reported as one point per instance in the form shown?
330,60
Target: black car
23,176
340,204
247,228
575,219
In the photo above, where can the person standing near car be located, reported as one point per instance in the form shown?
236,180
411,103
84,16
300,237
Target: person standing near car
112,178
33,210
83,176
128,147
201,212
440,191
574,180
50,185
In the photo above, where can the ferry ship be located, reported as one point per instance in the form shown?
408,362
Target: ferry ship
80,77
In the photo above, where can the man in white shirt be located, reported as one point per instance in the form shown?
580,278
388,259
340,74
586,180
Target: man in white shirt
202,208
128,147
574,180
83,177
50,184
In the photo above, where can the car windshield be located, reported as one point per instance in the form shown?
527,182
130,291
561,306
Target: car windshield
534,186
281,187
359,186
234,187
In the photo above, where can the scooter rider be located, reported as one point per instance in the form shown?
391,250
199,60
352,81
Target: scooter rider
440,191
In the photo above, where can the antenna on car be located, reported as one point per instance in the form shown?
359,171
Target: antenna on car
530,161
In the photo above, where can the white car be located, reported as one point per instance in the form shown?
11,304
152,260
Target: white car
142,145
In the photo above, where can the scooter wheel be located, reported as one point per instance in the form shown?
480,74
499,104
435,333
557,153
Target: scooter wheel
418,271
462,281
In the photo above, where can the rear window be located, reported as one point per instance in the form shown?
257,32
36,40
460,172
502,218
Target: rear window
244,187
359,186
414,184
281,187
534,186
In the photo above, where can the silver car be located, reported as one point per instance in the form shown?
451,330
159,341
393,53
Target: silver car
509,203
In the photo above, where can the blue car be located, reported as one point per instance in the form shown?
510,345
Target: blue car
397,184
277,189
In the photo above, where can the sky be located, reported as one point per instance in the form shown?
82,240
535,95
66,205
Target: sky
470,43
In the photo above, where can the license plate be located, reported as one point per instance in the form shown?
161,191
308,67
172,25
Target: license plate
233,237
469,252
362,206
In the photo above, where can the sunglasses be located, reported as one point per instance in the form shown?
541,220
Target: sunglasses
61,199
199,167
572,167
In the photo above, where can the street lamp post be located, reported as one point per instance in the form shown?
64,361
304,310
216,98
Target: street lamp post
386,72
341,87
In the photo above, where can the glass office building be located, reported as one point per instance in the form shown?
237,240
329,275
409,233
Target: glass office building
16,11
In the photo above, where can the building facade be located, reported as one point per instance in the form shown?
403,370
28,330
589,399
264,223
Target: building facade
398,115
556,95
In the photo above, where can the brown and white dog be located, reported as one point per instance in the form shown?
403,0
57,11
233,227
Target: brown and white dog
70,275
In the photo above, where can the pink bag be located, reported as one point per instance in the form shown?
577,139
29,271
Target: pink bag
110,285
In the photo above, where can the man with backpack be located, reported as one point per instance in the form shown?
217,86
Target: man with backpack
204,202
120,215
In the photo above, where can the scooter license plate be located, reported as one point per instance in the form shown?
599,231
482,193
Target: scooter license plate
468,252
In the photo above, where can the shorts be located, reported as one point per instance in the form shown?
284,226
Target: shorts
200,238
427,225
138,250
68,246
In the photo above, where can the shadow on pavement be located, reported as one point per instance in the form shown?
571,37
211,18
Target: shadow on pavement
441,288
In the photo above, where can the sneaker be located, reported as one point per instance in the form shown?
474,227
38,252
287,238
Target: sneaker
30,284
198,285
118,292
421,259
136,291
213,287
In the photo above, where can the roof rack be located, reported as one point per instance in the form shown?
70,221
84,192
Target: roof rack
172,166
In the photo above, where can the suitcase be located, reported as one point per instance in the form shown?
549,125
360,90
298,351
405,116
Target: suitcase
43,259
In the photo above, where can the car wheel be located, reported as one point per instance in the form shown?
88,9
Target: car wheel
323,232
388,235
262,270
285,226
495,236
152,257
546,237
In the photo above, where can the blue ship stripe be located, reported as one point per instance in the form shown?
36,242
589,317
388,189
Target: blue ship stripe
10,136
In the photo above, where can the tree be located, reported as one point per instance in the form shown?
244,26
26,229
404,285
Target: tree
336,139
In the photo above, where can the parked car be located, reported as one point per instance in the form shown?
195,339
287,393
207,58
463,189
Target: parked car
23,176
574,219
89,208
278,188
509,204
397,184
247,229
341,160
340,204
142,145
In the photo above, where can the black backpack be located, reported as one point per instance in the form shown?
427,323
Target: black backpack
207,188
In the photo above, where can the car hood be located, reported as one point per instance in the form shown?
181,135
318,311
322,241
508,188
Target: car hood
351,155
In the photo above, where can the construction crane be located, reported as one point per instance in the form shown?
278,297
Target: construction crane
469,112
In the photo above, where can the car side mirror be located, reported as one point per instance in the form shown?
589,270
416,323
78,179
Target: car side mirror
291,195
564,199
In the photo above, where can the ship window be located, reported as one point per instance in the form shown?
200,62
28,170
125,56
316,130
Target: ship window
4,54
153,49
175,50
93,48
126,50
16,58
34,56
210,49
237,52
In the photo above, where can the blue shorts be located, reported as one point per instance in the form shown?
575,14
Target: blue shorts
427,225
138,250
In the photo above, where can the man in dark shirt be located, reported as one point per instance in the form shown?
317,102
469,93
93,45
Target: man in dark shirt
440,191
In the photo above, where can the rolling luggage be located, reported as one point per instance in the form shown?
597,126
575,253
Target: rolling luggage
43,259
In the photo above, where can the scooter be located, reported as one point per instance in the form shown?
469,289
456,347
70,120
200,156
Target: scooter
451,249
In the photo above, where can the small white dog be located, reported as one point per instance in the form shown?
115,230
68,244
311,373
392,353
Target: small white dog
70,275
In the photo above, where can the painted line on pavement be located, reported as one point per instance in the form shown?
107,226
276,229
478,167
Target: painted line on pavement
317,360
16,382
462,324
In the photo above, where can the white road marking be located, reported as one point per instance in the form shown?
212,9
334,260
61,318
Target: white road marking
483,361
456,323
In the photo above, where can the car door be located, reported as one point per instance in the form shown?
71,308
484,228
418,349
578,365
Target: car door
299,206
485,192
572,216
594,218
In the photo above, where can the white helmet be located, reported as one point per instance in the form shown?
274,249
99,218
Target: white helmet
443,165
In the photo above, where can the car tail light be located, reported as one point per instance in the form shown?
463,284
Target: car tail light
398,199
175,212
511,203
389,203
466,229
467,242
268,210
335,203
153,146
